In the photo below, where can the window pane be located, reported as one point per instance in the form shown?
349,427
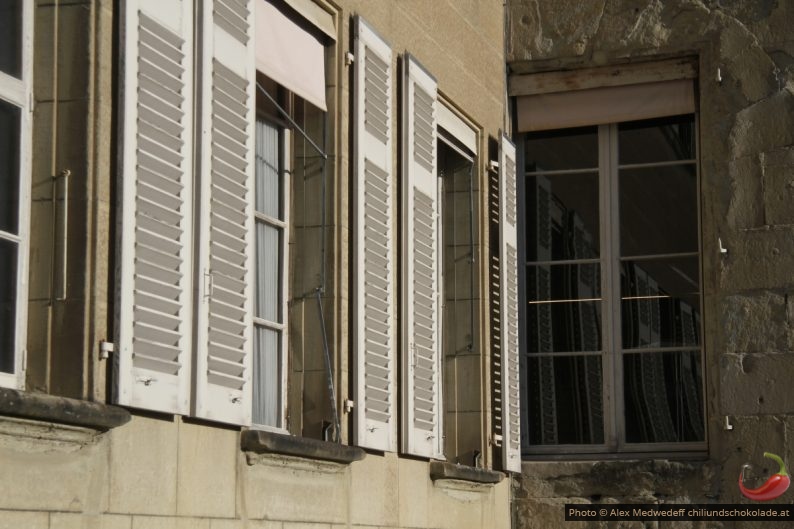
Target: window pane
11,37
267,377
268,177
657,140
658,210
8,304
268,272
9,167
660,303
564,327
663,397
565,400
562,217
562,149
563,282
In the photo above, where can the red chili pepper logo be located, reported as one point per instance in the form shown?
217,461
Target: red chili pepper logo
776,485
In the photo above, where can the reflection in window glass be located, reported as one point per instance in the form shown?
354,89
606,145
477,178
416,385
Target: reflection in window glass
11,37
663,397
562,149
9,167
565,400
657,140
562,219
8,304
267,374
658,210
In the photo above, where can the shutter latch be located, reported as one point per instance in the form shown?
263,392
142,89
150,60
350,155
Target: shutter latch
349,405
349,58
146,381
105,349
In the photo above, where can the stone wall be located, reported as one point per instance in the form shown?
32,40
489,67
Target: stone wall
747,190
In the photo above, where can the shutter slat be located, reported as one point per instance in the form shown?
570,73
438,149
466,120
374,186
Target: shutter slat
421,266
374,286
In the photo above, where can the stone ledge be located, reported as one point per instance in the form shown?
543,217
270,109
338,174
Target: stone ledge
61,410
443,470
263,442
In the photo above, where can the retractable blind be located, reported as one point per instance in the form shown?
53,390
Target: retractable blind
420,265
375,330
152,369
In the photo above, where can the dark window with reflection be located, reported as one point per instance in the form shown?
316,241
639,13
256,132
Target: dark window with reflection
9,166
11,37
8,304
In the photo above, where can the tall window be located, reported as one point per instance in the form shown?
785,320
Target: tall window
15,25
613,351
271,248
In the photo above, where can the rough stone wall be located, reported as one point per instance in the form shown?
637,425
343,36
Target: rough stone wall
747,192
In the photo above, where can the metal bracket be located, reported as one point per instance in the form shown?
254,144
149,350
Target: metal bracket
349,405
349,58
105,349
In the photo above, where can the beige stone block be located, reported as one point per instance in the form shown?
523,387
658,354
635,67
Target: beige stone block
74,28
374,485
469,434
458,505
468,374
156,522
264,524
497,509
89,521
305,525
192,523
217,523
415,489
23,520
51,467
206,471
41,250
294,489
143,467
38,346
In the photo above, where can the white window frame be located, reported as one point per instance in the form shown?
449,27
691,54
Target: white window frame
19,92
285,170
612,350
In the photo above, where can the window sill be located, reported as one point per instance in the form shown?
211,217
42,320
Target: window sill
263,442
440,470
61,410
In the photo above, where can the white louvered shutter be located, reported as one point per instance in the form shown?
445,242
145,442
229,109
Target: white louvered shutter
421,410
511,415
375,331
223,352
152,369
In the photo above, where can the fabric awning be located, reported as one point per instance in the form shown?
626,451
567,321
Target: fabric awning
290,55
598,106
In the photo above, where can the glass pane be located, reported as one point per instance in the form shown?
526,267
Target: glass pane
268,272
268,177
563,282
9,166
562,217
663,397
267,377
658,210
562,149
559,327
657,140
8,304
11,37
565,400
660,303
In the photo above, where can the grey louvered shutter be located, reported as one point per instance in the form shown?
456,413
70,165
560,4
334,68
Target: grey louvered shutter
152,369
508,238
375,330
227,108
421,316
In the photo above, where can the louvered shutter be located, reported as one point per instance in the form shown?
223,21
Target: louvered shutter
375,331
421,410
152,369
511,415
223,352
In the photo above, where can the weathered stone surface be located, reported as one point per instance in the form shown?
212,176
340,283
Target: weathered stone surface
756,383
756,322
758,259
778,178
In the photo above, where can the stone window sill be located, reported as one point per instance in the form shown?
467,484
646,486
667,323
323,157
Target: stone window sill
262,442
61,410
440,470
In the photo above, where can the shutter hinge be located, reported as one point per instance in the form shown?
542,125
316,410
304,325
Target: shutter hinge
496,440
105,349
349,405
493,165
349,58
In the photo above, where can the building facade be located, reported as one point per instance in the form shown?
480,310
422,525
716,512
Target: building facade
257,256
655,159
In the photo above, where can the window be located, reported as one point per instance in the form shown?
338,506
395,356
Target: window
612,348
15,93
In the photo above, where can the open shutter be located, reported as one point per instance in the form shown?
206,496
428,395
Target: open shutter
152,370
223,358
421,410
511,415
374,331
